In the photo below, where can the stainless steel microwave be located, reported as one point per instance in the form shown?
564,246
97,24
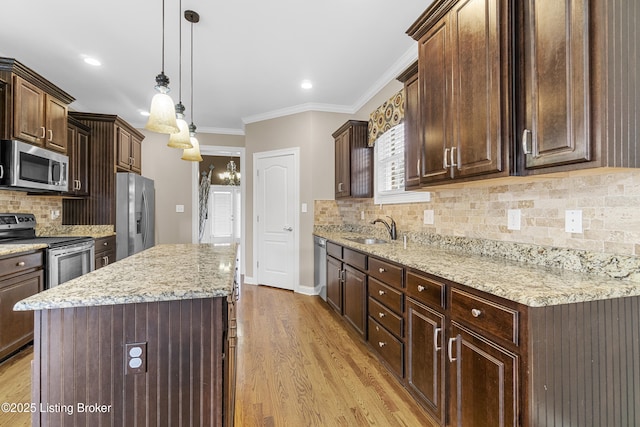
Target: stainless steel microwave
30,168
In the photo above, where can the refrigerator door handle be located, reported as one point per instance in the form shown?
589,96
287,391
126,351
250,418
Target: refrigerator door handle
145,215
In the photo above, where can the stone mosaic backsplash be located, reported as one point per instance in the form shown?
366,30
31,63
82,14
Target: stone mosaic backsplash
40,206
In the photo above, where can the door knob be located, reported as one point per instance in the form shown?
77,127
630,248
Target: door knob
287,228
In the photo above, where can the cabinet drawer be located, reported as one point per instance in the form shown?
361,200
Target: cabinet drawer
387,346
386,317
354,258
334,250
487,316
389,273
387,295
425,290
105,244
17,264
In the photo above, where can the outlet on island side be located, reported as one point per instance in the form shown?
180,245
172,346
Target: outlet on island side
514,219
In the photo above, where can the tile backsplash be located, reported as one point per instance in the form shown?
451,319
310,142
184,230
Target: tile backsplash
40,206
609,200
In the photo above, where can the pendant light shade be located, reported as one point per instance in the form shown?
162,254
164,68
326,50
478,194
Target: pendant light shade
182,138
192,154
162,116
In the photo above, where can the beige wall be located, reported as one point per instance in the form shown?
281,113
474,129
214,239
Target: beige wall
173,182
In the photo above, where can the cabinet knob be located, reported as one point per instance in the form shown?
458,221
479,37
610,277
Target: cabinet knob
421,288
381,270
381,293
475,312
106,243
20,264
381,344
381,315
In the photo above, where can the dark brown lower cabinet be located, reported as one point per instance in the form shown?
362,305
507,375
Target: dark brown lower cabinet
483,380
334,284
426,357
355,296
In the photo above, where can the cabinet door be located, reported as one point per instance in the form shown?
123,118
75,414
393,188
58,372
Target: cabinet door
28,112
556,75
413,137
343,166
56,124
16,327
478,87
123,147
334,284
81,153
425,356
72,132
483,379
434,69
355,298
136,154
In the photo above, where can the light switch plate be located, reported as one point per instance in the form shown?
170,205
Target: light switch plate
428,217
573,221
304,208
514,219
179,208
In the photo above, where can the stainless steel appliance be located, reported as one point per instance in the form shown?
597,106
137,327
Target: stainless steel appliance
30,168
135,214
320,265
67,257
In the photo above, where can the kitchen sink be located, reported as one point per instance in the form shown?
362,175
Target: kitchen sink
366,240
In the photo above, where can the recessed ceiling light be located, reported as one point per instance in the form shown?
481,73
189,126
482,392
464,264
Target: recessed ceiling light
144,113
92,61
306,84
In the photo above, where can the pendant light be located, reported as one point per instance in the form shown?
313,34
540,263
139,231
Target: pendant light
180,139
192,154
162,117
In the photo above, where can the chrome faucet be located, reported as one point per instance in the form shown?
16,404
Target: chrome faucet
390,228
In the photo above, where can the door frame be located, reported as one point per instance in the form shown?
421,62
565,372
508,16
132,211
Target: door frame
295,151
218,150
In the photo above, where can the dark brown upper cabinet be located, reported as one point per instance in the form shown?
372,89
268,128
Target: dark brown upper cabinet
413,149
353,161
463,75
35,110
78,151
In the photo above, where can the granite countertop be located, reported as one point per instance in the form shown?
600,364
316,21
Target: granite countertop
531,285
162,273
9,249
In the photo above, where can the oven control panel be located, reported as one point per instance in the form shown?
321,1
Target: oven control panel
13,221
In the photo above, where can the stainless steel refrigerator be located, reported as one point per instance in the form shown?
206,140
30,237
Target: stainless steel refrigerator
135,214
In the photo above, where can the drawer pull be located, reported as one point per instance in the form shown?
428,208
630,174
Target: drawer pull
475,312
381,270
20,264
381,315
381,344
436,331
105,244
421,288
381,293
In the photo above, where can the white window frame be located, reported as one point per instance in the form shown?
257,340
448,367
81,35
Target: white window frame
397,196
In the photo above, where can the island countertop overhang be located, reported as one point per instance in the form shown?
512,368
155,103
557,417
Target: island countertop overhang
167,272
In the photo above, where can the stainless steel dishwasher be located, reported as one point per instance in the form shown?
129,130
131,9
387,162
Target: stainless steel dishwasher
320,265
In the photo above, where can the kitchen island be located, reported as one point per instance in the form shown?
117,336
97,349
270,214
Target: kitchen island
144,341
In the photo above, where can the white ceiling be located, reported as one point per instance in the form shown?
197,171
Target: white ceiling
250,56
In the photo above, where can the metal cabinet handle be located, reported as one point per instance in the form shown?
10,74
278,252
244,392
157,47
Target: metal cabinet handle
79,184
381,270
525,141
453,157
340,185
20,264
436,331
421,288
381,344
381,293
1,171
449,350
418,168
444,159
475,312
381,315
50,135
44,132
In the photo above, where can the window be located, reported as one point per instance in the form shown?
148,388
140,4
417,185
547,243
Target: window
389,170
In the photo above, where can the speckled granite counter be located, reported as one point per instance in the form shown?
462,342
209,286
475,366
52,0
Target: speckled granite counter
531,285
16,249
162,273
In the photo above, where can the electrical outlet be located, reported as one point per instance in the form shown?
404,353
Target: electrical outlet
573,221
55,214
428,217
514,219
362,215
136,358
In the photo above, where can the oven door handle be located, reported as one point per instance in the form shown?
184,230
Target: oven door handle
80,247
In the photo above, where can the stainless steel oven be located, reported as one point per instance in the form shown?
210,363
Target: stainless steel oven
66,257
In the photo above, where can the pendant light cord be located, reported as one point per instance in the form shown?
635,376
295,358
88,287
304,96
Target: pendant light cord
180,53
162,36
192,120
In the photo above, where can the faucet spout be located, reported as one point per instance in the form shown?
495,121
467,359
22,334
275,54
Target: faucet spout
391,229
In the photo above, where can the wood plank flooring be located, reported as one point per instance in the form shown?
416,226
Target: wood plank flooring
298,365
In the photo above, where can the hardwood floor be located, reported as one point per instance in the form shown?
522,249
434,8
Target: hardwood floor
298,365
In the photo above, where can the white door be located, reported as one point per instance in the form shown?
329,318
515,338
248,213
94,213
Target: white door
223,225
276,219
